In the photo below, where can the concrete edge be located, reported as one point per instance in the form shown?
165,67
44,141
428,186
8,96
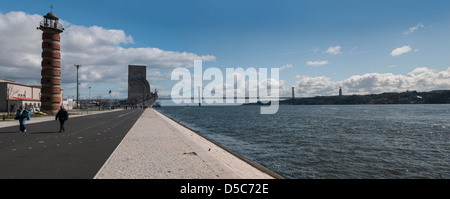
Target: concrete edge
254,164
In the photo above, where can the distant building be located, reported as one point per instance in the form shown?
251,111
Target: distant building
68,104
340,91
13,95
138,86
139,93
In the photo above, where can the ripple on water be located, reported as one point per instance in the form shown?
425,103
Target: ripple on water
360,141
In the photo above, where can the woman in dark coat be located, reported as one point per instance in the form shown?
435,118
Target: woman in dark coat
63,116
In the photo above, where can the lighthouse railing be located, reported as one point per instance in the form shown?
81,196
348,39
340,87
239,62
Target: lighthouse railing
51,24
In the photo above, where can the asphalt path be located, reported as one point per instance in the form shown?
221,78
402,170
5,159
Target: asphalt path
78,153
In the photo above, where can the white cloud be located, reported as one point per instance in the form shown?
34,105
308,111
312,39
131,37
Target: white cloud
100,51
20,51
316,63
420,70
314,86
420,79
286,66
400,51
414,28
333,50
79,37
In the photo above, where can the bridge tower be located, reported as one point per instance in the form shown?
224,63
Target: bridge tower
293,96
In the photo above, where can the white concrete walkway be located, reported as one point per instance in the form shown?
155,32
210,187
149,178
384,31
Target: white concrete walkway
158,147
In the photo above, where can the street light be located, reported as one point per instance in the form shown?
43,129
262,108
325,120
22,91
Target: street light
78,94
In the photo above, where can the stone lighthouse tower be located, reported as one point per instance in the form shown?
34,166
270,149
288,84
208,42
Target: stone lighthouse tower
51,97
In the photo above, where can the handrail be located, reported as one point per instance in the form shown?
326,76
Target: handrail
54,25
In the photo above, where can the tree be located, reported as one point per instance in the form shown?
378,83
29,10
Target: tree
10,92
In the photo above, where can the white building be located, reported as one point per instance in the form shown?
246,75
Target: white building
68,104
12,95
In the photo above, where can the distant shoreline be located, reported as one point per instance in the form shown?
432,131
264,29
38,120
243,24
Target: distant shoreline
408,97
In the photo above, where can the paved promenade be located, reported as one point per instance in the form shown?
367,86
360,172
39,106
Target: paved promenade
78,153
33,120
157,147
153,147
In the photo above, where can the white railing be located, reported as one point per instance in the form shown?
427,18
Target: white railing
51,24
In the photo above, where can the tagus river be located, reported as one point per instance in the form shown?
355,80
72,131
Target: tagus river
332,141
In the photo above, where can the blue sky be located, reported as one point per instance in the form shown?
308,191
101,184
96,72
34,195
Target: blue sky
347,43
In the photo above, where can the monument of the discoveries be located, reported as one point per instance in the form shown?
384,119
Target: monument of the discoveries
139,93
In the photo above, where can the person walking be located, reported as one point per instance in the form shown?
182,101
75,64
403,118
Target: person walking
63,116
22,115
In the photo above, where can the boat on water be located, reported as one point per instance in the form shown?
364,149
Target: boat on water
157,105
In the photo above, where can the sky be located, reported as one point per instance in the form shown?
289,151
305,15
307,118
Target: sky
319,45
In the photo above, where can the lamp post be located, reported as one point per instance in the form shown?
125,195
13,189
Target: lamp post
78,67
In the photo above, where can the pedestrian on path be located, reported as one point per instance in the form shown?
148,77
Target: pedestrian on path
22,115
63,116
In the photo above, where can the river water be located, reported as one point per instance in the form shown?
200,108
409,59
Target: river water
331,141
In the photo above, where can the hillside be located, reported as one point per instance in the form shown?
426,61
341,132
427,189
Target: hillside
409,97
